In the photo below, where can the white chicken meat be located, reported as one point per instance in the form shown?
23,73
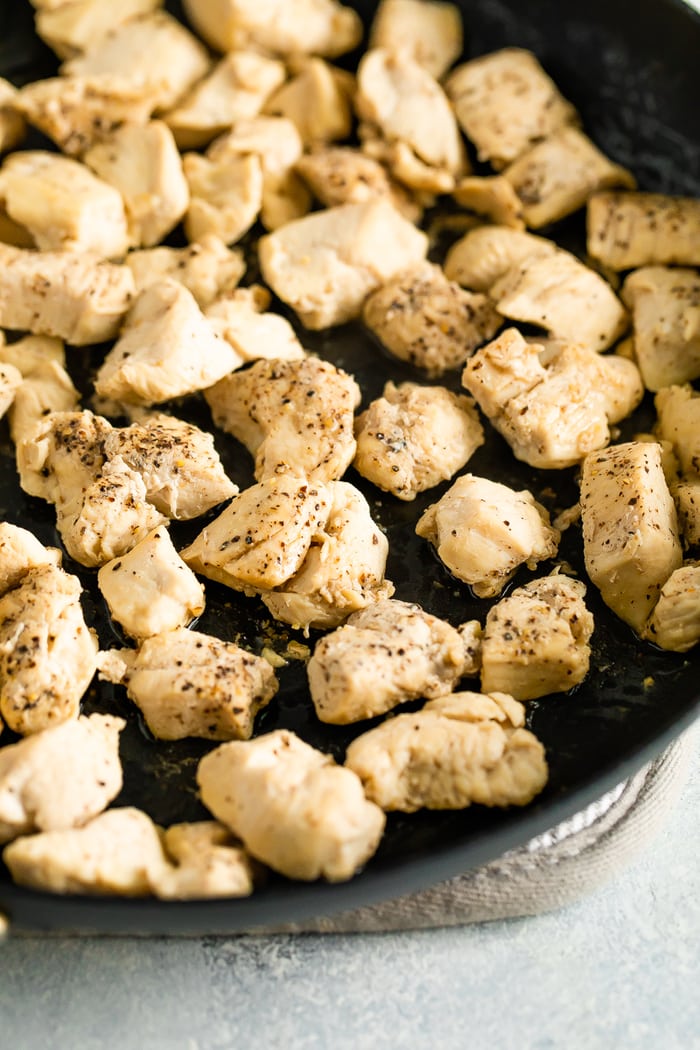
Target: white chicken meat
675,621
75,26
241,318
430,33
627,230
207,268
485,254
665,306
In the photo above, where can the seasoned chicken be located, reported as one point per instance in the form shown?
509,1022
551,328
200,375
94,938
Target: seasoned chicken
46,387
12,125
485,254
10,382
166,349
414,437
630,531
665,307
430,33
75,26
242,319
292,806
343,175
565,297
150,590
47,654
208,861
384,655
78,298
64,457
491,196
458,750
483,532
686,496
316,102
422,317
63,205
142,162
675,621
207,268
61,777
225,195
643,229
293,416
21,551
505,102
190,684
326,264
678,409
343,570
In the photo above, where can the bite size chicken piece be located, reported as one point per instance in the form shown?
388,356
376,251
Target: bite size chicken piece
430,33
154,52
484,531
142,162
343,175
12,125
10,382
678,410
675,621
292,806
686,496
79,298
316,102
243,320
630,531
414,437
207,268
207,862
422,317
47,654
665,307
189,684
319,27
505,102
64,457
46,387
565,297
293,416
150,590
384,655
225,195
326,264
166,349
491,196
402,103
627,230
63,204
60,778
74,27
343,570
21,551
485,254
460,749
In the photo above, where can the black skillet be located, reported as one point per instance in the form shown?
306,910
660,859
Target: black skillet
632,67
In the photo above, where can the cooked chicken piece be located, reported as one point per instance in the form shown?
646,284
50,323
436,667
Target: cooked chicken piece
75,26
626,230
404,104
242,319
326,264
491,196
457,750
47,388
678,409
119,852
314,100
294,416
292,806
64,457
154,52
675,622
12,125
483,532
471,634
630,531
225,195
150,590
665,306
262,538
342,175
207,268
10,382
75,112
209,862
63,205
320,27
236,89
31,352
686,496
61,777
485,254
505,102
12,232
143,164
563,296
422,317
47,654
430,33
414,437
166,349
21,551
190,684
384,655
78,298
343,570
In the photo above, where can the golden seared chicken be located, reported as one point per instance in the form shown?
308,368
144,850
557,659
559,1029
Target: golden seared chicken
12,125
344,175
491,196
505,102
225,195
292,806
63,204
294,416
207,268
326,264
422,317
630,529
430,33
626,230
485,254
457,750
207,861
191,684
317,101
241,318
678,409
414,437
665,307
21,551
61,777
483,532
166,349
75,26
10,382
536,639
675,620
45,384
384,655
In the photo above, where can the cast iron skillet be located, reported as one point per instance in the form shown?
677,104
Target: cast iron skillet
631,67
